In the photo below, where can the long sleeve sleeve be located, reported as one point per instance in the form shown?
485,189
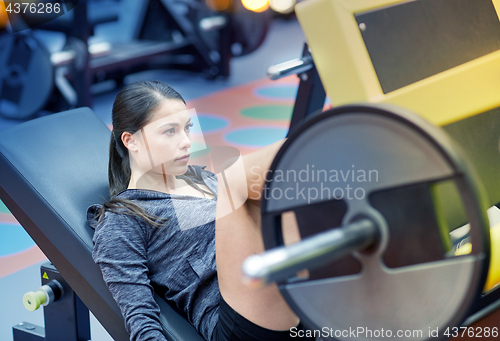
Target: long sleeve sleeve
120,250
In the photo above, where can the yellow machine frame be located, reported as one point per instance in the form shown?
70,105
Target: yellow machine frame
335,40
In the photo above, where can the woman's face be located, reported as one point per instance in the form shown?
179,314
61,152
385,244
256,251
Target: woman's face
163,145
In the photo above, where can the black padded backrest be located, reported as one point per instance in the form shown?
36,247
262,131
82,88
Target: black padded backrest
51,170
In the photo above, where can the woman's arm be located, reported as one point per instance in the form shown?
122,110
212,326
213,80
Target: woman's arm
120,251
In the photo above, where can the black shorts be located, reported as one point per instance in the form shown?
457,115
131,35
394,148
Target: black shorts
234,327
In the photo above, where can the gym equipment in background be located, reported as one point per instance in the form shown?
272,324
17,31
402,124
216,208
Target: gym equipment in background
27,76
182,34
66,71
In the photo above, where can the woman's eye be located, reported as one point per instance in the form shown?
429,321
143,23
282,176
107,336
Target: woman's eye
189,126
170,131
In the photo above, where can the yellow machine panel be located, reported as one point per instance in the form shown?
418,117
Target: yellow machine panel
348,75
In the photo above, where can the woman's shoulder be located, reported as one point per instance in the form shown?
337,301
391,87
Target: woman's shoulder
94,215
110,219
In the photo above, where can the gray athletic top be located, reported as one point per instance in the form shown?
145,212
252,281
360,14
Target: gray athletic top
177,259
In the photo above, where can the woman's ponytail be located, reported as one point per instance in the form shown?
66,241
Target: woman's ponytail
119,177
119,166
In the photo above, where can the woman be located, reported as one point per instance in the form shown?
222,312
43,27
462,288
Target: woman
180,229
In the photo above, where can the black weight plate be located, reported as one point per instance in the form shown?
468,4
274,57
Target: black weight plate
26,76
198,11
387,164
249,29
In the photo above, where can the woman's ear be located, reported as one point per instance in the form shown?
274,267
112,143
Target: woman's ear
129,141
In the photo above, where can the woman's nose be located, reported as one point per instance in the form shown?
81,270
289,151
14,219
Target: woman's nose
186,141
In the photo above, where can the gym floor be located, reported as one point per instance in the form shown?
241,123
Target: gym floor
246,111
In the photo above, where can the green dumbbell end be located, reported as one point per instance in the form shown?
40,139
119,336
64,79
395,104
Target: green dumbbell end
32,300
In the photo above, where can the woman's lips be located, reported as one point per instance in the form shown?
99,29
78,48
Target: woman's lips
183,159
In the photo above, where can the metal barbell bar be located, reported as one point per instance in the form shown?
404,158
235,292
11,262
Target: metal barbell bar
282,262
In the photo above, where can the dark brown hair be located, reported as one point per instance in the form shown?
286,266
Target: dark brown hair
132,110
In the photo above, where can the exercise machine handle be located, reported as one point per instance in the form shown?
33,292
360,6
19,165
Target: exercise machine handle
294,66
282,262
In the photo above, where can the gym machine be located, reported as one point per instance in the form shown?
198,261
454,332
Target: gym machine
407,248
393,257
311,94
181,34
31,74
68,307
